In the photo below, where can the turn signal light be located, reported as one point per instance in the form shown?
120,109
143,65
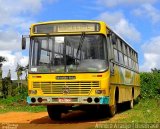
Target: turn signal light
32,91
99,75
36,76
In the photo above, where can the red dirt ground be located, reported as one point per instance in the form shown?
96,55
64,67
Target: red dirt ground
76,119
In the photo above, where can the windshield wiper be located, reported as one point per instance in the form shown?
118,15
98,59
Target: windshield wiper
80,45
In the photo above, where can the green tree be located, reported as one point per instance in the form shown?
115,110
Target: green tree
150,84
9,83
26,71
155,70
19,71
5,87
2,59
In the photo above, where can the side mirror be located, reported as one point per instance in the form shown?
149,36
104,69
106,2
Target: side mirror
23,42
24,37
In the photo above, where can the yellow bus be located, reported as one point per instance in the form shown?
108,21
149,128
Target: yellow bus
80,64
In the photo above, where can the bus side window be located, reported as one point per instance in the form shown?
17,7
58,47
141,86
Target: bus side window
124,49
119,44
129,52
137,68
114,39
130,62
136,57
115,55
121,58
125,60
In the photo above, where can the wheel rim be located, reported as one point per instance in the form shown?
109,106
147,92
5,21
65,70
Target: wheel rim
113,109
131,103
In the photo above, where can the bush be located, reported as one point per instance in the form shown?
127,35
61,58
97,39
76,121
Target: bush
18,93
150,85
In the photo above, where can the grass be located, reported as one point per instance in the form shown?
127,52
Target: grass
4,109
146,111
12,104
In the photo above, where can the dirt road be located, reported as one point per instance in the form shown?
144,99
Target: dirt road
77,119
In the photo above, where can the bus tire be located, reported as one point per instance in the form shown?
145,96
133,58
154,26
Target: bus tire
113,109
54,112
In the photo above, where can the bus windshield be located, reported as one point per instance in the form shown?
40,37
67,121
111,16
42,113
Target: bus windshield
68,54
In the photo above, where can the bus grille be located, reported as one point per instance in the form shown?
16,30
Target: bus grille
79,87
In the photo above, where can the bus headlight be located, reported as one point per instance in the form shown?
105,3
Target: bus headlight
32,91
100,91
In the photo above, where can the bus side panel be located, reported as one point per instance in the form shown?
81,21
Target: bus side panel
137,85
126,81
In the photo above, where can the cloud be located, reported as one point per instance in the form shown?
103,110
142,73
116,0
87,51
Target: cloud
149,11
19,13
22,6
150,61
152,46
114,3
15,14
16,17
9,40
11,63
111,18
121,25
151,54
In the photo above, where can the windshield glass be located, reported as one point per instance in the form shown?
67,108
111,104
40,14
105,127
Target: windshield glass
65,54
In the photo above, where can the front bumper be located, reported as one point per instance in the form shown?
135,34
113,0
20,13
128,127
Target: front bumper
39,100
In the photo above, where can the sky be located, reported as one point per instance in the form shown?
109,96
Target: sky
137,21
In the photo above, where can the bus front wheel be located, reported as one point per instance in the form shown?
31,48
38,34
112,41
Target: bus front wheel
54,112
113,109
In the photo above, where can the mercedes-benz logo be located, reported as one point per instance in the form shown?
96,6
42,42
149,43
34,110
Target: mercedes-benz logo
66,90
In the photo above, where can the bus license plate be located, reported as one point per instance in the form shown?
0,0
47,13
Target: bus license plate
64,100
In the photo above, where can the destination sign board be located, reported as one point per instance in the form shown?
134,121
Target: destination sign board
66,27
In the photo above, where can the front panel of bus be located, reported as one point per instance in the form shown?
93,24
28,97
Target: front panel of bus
68,64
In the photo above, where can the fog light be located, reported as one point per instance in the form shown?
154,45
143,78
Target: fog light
32,91
33,100
89,100
40,100
96,100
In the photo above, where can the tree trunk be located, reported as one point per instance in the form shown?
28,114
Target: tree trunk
9,87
